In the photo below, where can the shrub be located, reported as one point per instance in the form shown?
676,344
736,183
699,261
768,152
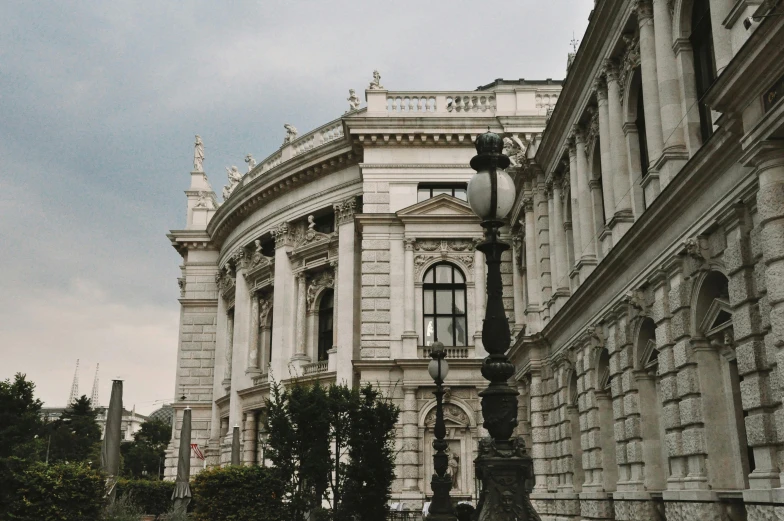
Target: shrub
237,494
123,509
152,497
59,492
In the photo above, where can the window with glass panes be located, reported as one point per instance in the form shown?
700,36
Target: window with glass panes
444,306
325,324
428,191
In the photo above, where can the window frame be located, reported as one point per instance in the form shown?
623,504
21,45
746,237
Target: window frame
442,186
325,342
431,289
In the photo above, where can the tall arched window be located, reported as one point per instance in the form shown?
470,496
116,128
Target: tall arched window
444,305
704,60
325,315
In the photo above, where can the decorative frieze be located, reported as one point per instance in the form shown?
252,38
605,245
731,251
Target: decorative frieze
444,245
317,284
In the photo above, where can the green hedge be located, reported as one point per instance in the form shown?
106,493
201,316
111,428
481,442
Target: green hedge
58,492
153,497
237,494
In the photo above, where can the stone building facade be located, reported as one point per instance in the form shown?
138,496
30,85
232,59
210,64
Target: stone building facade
651,226
341,258
645,286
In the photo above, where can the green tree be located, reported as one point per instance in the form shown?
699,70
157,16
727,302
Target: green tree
20,429
144,456
334,444
75,435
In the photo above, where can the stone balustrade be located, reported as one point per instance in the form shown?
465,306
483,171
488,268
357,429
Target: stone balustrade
474,103
451,352
315,367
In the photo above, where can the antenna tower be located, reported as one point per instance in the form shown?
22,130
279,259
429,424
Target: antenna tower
74,386
94,400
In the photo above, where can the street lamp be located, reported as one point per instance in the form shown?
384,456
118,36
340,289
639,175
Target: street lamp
503,465
441,482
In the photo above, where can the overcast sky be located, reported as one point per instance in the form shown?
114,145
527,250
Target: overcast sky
99,103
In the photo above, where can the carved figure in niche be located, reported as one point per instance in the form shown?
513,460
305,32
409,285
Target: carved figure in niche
454,467
198,155
353,100
376,83
251,162
291,133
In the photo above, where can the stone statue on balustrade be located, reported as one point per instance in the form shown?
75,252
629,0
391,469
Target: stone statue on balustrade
376,83
234,179
198,155
291,133
251,162
353,101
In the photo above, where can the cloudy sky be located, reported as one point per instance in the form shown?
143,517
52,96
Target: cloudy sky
99,102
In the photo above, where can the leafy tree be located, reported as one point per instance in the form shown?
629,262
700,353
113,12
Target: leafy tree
143,457
20,427
334,445
75,435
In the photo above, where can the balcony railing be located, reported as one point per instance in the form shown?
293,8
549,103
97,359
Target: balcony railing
315,367
451,352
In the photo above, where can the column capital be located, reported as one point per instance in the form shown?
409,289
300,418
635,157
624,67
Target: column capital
579,135
528,204
409,243
344,210
240,258
283,235
600,87
644,10
610,70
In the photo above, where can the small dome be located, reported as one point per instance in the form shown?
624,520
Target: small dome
164,414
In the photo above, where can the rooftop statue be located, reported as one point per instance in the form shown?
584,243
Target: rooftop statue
198,155
515,149
376,83
353,100
291,133
204,201
251,162
234,179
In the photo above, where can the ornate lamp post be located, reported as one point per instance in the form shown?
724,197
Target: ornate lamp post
441,483
503,465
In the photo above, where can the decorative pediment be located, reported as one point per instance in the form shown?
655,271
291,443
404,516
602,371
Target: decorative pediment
453,414
442,206
718,317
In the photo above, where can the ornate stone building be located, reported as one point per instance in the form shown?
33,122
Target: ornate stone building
342,257
645,288
651,262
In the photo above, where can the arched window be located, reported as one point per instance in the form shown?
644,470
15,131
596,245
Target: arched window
444,305
704,60
325,326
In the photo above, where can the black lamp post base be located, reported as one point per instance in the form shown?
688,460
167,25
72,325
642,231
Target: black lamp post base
441,505
507,479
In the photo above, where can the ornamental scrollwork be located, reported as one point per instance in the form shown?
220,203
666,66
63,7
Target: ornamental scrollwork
283,235
629,61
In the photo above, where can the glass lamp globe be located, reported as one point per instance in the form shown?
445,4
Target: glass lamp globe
432,368
479,192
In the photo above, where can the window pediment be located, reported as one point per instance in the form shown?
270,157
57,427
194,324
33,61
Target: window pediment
441,206
718,317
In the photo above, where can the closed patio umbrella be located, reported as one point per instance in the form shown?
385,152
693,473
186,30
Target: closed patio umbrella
182,487
110,448
235,446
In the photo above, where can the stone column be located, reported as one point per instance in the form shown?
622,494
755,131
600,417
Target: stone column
543,242
229,353
609,172
410,336
347,314
554,275
333,351
722,40
301,317
650,84
517,287
561,284
212,454
480,294
587,257
253,340
397,272
250,440
239,380
595,186
283,310
621,177
669,95
410,446
532,269
539,432
684,56
574,191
